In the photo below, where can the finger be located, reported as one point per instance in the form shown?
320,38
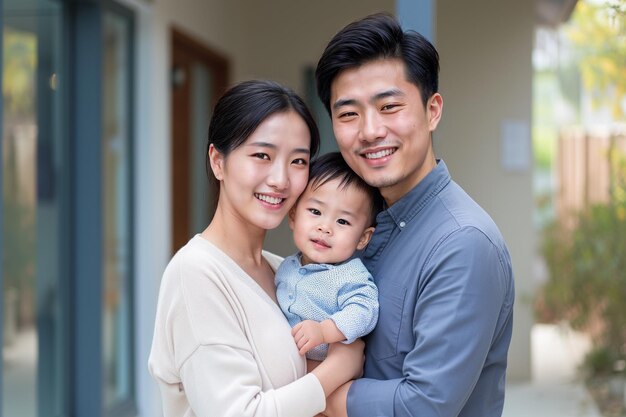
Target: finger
300,343
295,328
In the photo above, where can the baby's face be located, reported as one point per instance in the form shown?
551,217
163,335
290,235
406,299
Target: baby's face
329,223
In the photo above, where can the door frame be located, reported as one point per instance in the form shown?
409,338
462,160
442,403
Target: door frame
180,138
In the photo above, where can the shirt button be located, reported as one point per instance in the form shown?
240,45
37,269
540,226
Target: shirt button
402,224
302,271
291,296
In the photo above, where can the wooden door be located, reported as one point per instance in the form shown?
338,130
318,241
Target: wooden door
199,77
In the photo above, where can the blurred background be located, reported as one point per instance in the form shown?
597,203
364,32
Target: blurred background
104,111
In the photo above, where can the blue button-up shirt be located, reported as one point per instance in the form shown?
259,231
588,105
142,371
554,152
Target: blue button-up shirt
446,308
344,293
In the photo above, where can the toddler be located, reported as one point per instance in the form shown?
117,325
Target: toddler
327,294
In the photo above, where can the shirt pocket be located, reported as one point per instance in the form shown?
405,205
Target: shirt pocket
383,341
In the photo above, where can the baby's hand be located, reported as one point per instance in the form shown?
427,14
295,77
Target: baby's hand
307,334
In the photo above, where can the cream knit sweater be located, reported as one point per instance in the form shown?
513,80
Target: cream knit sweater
222,347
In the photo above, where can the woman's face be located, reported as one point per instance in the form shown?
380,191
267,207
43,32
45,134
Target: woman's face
261,179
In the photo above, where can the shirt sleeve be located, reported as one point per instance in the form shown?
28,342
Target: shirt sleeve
219,373
358,304
461,294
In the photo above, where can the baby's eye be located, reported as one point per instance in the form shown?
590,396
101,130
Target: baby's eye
261,155
315,212
343,222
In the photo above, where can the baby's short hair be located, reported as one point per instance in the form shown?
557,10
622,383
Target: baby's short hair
331,166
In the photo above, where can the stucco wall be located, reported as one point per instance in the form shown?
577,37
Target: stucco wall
284,37
486,78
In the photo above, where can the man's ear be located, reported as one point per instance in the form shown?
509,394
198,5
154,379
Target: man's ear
434,110
217,162
365,238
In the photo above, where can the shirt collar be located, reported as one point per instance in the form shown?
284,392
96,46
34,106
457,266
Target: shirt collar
405,209
297,260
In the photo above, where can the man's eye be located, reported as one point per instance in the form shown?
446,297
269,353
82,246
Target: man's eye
343,222
315,212
389,107
347,114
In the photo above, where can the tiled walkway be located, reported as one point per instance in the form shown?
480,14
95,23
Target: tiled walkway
555,390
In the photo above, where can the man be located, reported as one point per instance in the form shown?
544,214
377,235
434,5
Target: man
441,265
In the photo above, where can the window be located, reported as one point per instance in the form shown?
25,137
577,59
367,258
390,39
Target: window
34,202
117,208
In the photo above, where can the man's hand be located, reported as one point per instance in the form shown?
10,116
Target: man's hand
307,334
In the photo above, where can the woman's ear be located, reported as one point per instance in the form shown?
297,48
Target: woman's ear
217,162
365,238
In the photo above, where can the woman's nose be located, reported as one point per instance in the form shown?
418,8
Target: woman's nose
278,177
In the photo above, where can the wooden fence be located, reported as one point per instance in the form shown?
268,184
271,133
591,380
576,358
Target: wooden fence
583,168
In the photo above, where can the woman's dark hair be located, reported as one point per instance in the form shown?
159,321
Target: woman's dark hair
378,36
331,166
245,106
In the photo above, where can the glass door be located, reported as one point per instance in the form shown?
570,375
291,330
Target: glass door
34,199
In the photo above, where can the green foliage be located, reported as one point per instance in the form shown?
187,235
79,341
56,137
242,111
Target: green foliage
598,33
587,267
18,228
601,361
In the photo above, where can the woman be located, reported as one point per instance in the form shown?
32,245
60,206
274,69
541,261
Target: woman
221,345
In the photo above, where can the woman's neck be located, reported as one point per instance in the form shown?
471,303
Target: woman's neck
241,241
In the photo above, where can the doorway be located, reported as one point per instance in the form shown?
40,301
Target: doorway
199,77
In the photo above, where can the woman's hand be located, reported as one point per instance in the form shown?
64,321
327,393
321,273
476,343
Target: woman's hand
343,363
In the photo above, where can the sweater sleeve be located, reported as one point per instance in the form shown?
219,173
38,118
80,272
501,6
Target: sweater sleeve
220,380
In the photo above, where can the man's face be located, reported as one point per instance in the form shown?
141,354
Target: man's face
382,127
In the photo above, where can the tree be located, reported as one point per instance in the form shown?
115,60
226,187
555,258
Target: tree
598,34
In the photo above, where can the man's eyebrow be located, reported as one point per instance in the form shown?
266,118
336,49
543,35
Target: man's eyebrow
392,92
343,102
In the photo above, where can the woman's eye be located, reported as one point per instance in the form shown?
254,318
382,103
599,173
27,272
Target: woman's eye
261,155
300,161
343,222
315,212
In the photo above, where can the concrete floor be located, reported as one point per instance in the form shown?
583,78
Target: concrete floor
556,389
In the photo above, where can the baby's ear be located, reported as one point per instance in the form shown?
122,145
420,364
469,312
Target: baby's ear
365,238
291,216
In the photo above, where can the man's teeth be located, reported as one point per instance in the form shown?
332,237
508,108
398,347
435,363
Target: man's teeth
268,199
379,154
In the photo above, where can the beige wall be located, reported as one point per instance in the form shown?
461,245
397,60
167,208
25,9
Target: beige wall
283,38
486,77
